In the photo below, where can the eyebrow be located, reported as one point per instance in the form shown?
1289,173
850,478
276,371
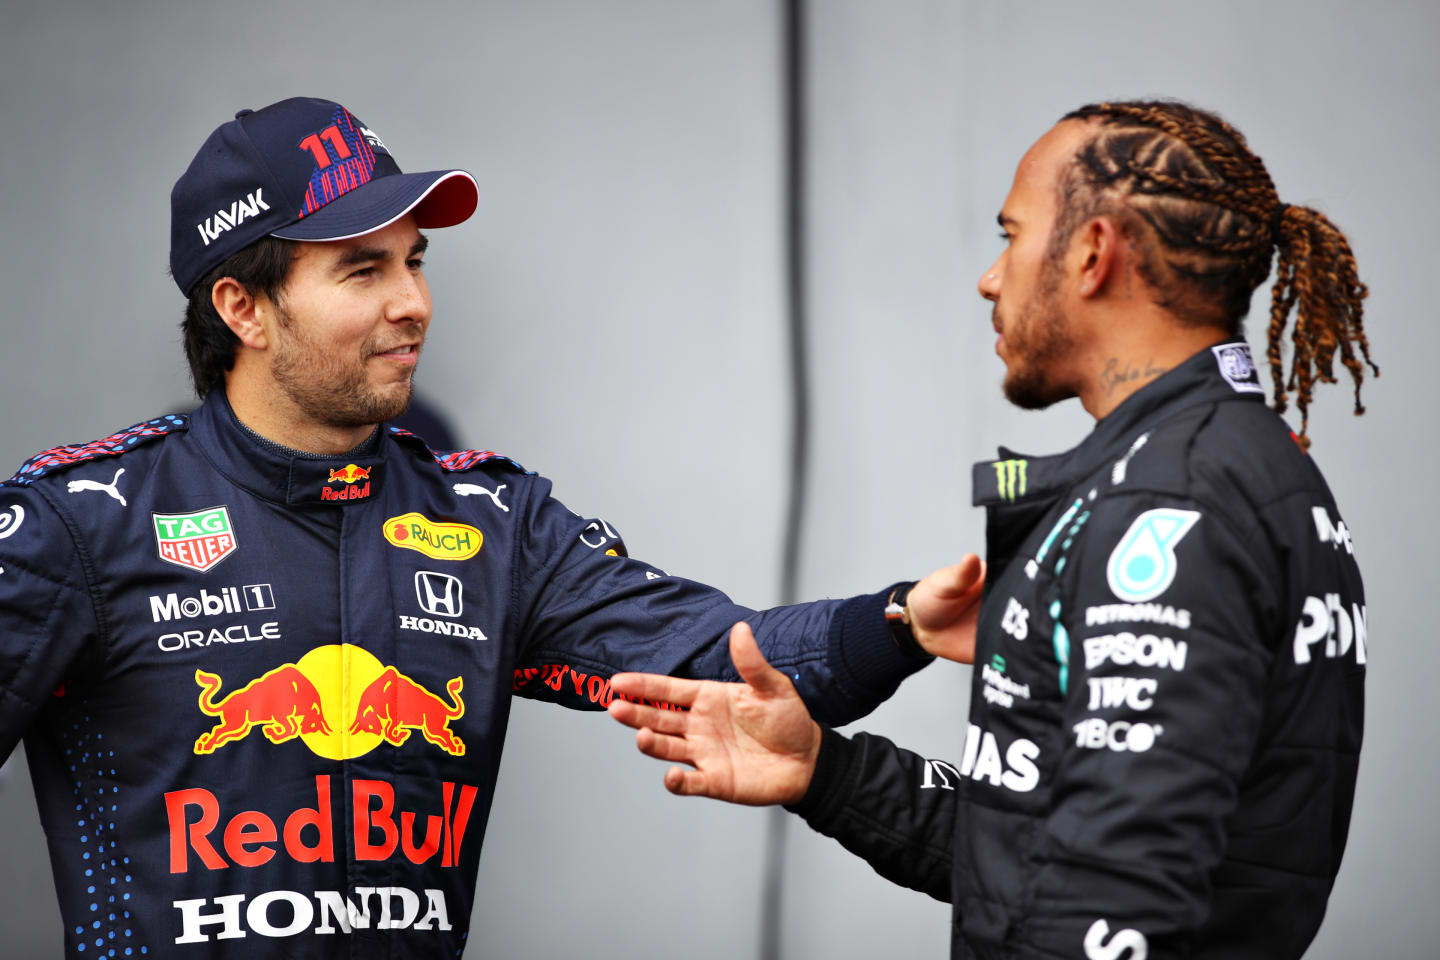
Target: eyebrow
1006,222
358,255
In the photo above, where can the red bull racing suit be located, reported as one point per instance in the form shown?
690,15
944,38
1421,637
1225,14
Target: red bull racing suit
1167,702
263,696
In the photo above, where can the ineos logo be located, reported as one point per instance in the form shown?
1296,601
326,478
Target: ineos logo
440,594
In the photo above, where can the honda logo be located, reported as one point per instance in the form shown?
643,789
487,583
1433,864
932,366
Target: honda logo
439,593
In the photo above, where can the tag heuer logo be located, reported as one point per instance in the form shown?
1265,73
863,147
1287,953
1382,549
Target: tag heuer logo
196,540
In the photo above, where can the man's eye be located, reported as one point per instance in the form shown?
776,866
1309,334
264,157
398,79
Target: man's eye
415,263
1004,236
363,272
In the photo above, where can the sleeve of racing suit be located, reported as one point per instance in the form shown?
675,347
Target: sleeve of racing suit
1162,656
892,808
590,610
47,619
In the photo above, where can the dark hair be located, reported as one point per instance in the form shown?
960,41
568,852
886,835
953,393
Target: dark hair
1205,218
261,268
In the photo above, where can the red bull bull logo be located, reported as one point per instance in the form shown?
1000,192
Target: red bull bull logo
282,702
393,705
349,475
370,703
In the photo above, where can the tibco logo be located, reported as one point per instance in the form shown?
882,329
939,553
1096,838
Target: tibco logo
172,606
1122,736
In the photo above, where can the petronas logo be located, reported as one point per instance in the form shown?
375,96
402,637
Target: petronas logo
1010,478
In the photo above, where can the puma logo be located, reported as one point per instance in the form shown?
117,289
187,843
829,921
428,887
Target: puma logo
466,489
75,486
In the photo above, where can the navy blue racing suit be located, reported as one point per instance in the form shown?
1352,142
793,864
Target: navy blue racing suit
263,696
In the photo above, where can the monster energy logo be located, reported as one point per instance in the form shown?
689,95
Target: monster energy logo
1010,478
998,663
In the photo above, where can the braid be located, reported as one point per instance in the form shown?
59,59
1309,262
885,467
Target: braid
1213,218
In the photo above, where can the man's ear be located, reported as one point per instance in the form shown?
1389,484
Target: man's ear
1100,256
240,311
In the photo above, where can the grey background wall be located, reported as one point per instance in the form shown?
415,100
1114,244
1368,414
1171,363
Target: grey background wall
613,317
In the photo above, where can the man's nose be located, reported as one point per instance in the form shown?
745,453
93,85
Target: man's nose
989,285
410,301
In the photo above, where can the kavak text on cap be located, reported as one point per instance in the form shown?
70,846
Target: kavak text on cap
302,169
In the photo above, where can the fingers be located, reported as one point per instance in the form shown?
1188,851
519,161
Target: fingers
960,579
754,668
687,783
637,715
650,686
661,746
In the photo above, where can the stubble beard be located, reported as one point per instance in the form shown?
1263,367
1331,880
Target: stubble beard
331,390
1040,339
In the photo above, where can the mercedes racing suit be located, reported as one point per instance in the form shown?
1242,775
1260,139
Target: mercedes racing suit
264,696
1167,700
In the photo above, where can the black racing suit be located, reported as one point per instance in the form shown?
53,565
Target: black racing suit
1167,703
264,696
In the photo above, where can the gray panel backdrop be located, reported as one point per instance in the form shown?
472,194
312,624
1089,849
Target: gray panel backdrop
613,317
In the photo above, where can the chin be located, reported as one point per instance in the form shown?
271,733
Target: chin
1032,392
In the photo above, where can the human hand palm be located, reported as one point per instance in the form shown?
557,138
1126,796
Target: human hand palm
751,742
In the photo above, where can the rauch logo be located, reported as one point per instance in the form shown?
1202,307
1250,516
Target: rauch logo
438,541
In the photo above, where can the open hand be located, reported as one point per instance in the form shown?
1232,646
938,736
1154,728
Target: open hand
751,742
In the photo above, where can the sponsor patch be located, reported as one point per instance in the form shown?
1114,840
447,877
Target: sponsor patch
350,475
111,489
1143,565
1237,367
1010,478
338,699
10,520
438,541
1124,945
197,540
1121,736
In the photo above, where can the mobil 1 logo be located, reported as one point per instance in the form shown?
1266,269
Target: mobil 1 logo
174,606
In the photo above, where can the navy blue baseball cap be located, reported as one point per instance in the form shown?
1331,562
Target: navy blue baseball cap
302,169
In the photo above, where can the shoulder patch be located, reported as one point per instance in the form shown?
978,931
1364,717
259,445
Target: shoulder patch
58,458
456,461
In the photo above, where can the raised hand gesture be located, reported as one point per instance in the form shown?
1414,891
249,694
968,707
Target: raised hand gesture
751,742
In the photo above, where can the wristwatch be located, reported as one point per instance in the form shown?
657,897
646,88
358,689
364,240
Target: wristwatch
897,617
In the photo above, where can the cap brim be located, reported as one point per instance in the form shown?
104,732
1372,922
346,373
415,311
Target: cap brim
440,198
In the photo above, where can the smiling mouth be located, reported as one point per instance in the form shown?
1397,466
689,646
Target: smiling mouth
407,350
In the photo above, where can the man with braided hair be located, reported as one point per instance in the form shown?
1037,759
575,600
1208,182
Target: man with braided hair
1165,718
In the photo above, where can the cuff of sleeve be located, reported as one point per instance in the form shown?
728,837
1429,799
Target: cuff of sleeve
836,770
863,650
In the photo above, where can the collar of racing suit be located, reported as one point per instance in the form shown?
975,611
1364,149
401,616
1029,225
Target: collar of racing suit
1224,371
275,473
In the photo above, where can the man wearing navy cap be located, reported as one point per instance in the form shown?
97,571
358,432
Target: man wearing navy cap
263,655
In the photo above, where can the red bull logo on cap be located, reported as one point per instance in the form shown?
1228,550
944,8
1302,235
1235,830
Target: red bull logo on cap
196,540
338,699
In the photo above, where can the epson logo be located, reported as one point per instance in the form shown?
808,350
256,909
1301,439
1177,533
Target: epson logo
1147,650
172,606
240,210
